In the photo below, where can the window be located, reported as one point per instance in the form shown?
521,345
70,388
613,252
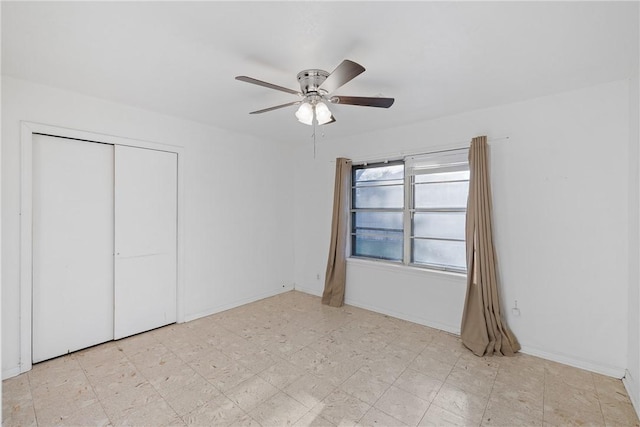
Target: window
377,211
412,211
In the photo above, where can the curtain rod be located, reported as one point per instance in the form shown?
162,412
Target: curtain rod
402,154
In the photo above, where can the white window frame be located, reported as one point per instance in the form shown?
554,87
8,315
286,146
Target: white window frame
439,161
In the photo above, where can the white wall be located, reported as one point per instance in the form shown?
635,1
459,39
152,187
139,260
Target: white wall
632,377
560,191
238,207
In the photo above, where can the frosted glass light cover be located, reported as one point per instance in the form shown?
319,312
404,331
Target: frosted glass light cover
323,115
305,114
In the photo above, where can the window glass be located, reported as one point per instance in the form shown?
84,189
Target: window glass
439,225
390,196
387,246
441,253
431,220
441,195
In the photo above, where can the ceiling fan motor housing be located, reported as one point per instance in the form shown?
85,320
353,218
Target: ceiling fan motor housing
310,81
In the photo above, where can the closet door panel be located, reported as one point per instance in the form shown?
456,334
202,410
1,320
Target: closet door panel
72,245
145,239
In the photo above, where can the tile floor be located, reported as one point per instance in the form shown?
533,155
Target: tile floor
288,360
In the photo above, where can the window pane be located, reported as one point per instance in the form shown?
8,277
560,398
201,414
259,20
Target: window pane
443,176
383,246
363,221
442,195
440,252
443,225
379,173
379,197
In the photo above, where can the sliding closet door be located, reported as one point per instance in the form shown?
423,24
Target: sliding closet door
72,245
145,239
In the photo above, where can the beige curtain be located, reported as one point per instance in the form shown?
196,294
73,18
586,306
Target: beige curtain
336,274
483,330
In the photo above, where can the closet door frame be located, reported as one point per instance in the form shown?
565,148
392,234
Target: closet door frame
28,130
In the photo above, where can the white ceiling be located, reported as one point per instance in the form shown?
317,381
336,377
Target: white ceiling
434,58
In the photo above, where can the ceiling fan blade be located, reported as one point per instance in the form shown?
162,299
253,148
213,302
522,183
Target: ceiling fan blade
276,107
363,100
343,74
265,84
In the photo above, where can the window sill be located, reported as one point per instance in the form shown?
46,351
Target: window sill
407,269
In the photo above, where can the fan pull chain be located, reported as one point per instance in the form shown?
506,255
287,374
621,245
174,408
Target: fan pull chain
314,140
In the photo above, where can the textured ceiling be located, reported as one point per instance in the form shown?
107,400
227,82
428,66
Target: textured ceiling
435,58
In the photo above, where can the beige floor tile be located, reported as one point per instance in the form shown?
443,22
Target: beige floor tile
156,413
328,345
20,413
311,419
418,384
619,414
461,403
364,387
564,405
63,406
169,375
471,381
282,346
55,372
186,399
176,422
117,383
439,417
402,405
245,421
154,355
445,348
129,400
289,360
281,374
503,413
217,412
259,361
376,418
559,374
610,389
209,364
341,408
230,376
92,415
279,410
250,393
140,343
518,398
414,339
309,390
307,359
384,369
428,365
338,368
15,389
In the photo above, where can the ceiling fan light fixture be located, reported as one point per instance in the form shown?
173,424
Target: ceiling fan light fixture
305,113
323,115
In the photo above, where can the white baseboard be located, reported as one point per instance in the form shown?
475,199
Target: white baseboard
610,371
415,319
453,329
11,372
633,390
237,303
308,291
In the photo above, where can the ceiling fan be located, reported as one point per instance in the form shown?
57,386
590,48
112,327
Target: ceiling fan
316,90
